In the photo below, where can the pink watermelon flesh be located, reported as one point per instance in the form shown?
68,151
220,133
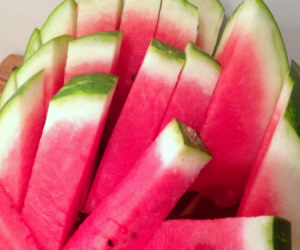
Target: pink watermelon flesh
59,181
174,30
139,21
223,234
253,70
275,176
140,118
97,53
97,16
21,120
14,233
194,89
127,218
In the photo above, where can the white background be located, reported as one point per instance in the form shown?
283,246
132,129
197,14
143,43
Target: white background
18,18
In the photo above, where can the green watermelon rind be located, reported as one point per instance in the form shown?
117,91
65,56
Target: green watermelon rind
95,83
33,45
282,235
54,19
192,48
19,92
108,36
9,89
191,138
292,113
169,50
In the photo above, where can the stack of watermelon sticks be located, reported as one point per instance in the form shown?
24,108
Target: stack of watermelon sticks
129,126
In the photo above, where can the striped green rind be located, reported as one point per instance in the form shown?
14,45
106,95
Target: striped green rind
282,235
33,45
95,83
20,90
191,138
292,113
194,47
9,89
168,49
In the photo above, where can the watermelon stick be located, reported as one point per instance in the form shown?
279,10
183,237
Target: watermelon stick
52,57
194,89
96,53
253,71
64,163
21,122
139,21
211,14
61,21
275,179
97,16
130,214
266,232
14,233
174,30
140,118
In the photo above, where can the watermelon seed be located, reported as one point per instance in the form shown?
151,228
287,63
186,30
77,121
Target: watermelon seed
133,77
110,243
133,235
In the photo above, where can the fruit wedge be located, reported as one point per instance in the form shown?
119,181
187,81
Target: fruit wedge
276,174
178,23
9,89
72,132
139,21
97,16
62,21
211,14
93,53
194,89
14,233
254,66
266,232
140,119
33,45
130,214
52,57
21,124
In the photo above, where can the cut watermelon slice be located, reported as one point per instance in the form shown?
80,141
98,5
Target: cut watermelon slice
21,121
254,66
194,89
94,53
128,217
276,175
97,16
33,45
14,234
174,30
52,57
266,232
211,14
62,21
9,89
139,21
140,119
73,128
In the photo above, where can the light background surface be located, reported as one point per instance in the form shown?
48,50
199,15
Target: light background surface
18,18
